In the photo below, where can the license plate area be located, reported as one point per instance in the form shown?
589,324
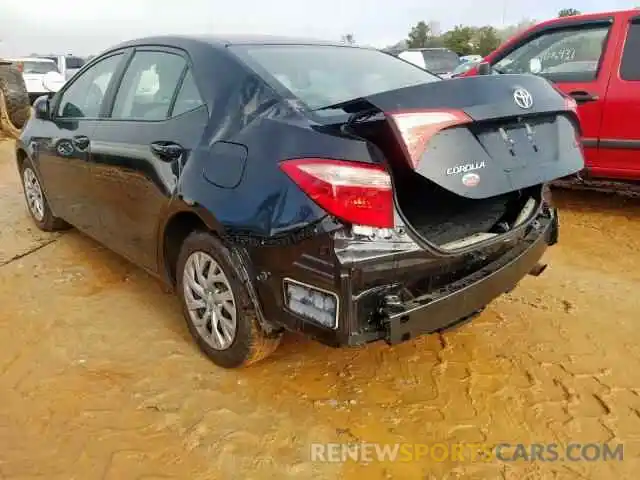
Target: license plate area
520,144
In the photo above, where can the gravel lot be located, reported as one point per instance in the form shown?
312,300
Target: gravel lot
99,378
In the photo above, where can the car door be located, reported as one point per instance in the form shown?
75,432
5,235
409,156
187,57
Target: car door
620,134
63,151
577,56
157,118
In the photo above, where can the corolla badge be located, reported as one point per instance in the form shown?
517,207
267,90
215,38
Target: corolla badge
523,98
467,167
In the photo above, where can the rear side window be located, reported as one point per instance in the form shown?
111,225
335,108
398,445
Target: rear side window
148,86
569,55
630,68
73,62
324,75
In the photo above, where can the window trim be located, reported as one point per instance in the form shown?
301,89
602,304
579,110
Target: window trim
108,110
57,99
563,25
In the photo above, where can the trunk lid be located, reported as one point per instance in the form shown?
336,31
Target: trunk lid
494,145
468,162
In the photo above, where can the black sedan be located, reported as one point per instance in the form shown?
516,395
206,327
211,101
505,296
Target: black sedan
282,184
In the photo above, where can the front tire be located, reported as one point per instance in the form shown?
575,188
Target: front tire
37,203
216,305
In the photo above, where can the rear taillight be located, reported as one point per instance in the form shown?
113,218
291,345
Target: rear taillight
20,67
417,128
353,192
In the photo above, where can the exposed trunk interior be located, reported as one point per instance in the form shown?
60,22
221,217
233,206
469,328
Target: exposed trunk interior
438,215
441,217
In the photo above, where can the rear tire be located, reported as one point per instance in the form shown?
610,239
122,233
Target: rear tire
36,200
213,298
15,95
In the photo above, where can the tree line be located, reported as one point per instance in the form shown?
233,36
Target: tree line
462,39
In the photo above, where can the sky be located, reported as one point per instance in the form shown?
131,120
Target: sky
87,27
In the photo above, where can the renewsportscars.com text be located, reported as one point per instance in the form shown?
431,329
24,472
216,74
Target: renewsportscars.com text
462,452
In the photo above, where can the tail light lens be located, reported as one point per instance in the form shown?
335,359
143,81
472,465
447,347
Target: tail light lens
416,128
353,192
20,67
571,104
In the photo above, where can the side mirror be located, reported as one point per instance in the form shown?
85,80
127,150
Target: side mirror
41,108
535,65
484,68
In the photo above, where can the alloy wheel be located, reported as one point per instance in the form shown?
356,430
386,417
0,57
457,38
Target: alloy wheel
33,191
210,300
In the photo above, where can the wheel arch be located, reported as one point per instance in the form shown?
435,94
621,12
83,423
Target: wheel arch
179,225
21,156
175,230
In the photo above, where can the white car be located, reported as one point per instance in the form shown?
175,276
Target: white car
440,61
68,65
471,58
41,76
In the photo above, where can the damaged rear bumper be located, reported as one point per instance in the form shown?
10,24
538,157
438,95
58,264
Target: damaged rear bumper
397,296
462,299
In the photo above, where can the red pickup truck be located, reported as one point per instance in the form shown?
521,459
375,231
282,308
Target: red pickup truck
595,58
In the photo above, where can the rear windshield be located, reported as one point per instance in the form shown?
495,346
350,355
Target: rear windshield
440,61
38,67
321,76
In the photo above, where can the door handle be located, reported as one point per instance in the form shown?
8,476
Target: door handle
167,151
81,142
581,96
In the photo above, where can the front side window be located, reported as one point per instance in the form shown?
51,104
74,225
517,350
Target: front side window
560,55
630,67
148,86
321,76
83,98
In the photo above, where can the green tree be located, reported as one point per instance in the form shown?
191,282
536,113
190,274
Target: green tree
568,12
419,35
459,40
487,41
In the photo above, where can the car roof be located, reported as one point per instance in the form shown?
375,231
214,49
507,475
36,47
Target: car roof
223,41
441,49
30,59
587,16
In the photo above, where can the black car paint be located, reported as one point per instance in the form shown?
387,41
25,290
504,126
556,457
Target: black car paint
121,193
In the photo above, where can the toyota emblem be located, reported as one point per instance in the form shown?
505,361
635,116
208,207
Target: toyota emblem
523,98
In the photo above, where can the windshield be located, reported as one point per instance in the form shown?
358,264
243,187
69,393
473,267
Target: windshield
38,67
321,76
440,61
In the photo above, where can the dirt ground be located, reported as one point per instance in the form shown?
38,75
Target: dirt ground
99,378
